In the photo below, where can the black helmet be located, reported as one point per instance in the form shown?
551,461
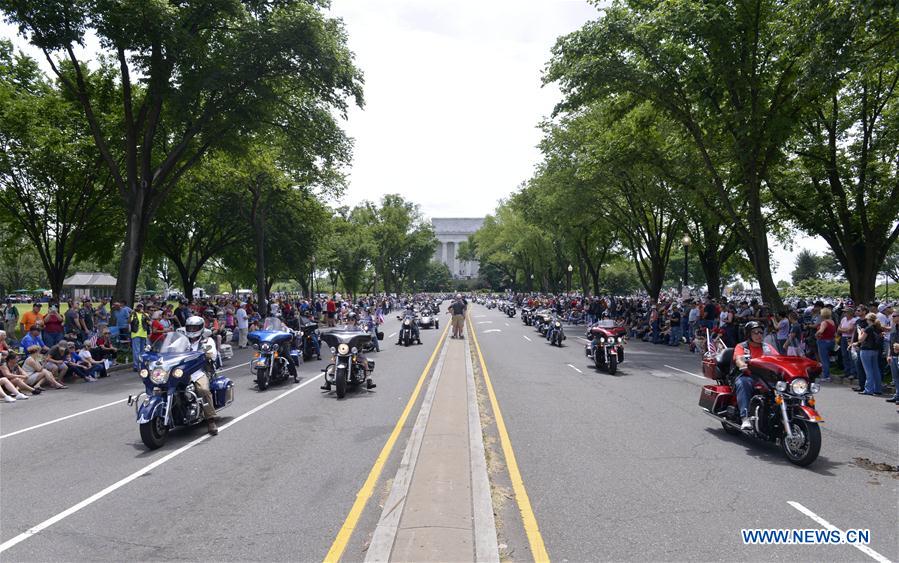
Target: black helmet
750,326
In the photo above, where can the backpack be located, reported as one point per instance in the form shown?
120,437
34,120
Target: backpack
135,322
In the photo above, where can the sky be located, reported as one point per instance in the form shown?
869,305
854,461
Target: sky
453,100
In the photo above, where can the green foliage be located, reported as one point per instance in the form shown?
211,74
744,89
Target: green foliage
436,278
619,278
817,288
806,267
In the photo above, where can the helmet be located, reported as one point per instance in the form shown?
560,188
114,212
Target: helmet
208,313
194,327
750,326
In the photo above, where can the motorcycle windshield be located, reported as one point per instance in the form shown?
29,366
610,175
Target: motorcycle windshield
174,343
273,324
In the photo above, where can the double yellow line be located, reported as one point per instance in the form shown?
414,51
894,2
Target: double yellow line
346,531
535,539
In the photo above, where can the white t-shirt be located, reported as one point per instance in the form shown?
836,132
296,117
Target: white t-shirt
241,315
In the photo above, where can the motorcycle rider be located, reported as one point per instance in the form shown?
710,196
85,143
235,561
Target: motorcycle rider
193,329
316,342
409,313
753,347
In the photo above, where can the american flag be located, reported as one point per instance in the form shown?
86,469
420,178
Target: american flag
710,343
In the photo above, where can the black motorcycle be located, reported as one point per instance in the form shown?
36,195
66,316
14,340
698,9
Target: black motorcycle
348,365
407,332
307,331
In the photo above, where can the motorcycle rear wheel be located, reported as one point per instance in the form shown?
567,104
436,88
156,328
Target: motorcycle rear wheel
340,381
262,378
804,449
153,433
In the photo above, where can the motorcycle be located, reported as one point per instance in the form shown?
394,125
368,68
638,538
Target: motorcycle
169,399
348,366
542,320
509,309
782,408
554,333
526,315
606,346
407,335
428,319
275,358
307,329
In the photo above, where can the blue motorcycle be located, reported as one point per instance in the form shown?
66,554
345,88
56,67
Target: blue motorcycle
276,358
169,399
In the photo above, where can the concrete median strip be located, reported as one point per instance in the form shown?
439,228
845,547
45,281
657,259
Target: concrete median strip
439,507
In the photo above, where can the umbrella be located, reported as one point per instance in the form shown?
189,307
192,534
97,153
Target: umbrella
22,291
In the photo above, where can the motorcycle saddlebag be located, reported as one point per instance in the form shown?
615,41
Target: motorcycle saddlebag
380,335
716,398
709,367
222,390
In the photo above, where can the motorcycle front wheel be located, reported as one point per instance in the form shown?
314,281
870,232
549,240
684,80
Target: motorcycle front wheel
340,380
153,433
262,378
805,445
613,364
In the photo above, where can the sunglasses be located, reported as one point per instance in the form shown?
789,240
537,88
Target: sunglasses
758,332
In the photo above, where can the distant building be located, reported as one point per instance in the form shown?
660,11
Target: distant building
450,232
89,284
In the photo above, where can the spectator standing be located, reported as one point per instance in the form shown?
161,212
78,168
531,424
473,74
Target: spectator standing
846,330
139,327
10,317
242,325
87,317
827,329
870,340
861,322
31,318
53,325
72,322
102,315
893,354
331,310
121,317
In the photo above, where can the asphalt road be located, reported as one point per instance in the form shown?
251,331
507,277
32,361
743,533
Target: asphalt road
623,468
276,485
629,468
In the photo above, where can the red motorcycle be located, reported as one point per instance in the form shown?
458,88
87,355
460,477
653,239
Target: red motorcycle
606,345
782,408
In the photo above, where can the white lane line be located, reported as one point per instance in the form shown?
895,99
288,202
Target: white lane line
485,322
392,335
574,368
492,330
479,316
583,339
526,338
55,420
507,324
684,371
863,548
140,472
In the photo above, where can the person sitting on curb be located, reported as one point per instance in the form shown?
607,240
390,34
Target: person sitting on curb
10,370
33,338
34,370
55,360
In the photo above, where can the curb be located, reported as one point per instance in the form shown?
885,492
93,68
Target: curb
485,543
381,545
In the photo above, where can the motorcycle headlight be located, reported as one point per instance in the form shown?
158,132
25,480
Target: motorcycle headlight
558,325
781,386
618,339
343,349
159,376
144,374
407,322
602,340
177,373
799,386
354,350
814,388
333,350
266,347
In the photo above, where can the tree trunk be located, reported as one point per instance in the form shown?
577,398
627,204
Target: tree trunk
259,241
56,281
133,252
761,261
862,276
711,269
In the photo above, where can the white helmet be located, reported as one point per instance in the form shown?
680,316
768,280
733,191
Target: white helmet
194,326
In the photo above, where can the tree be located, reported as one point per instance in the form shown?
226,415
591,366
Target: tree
192,77
842,183
807,263
734,75
197,222
53,188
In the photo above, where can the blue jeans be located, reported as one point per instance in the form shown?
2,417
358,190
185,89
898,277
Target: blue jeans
138,343
824,348
656,338
894,368
374,338
51,339
871,364
848,364
674,339
743,388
